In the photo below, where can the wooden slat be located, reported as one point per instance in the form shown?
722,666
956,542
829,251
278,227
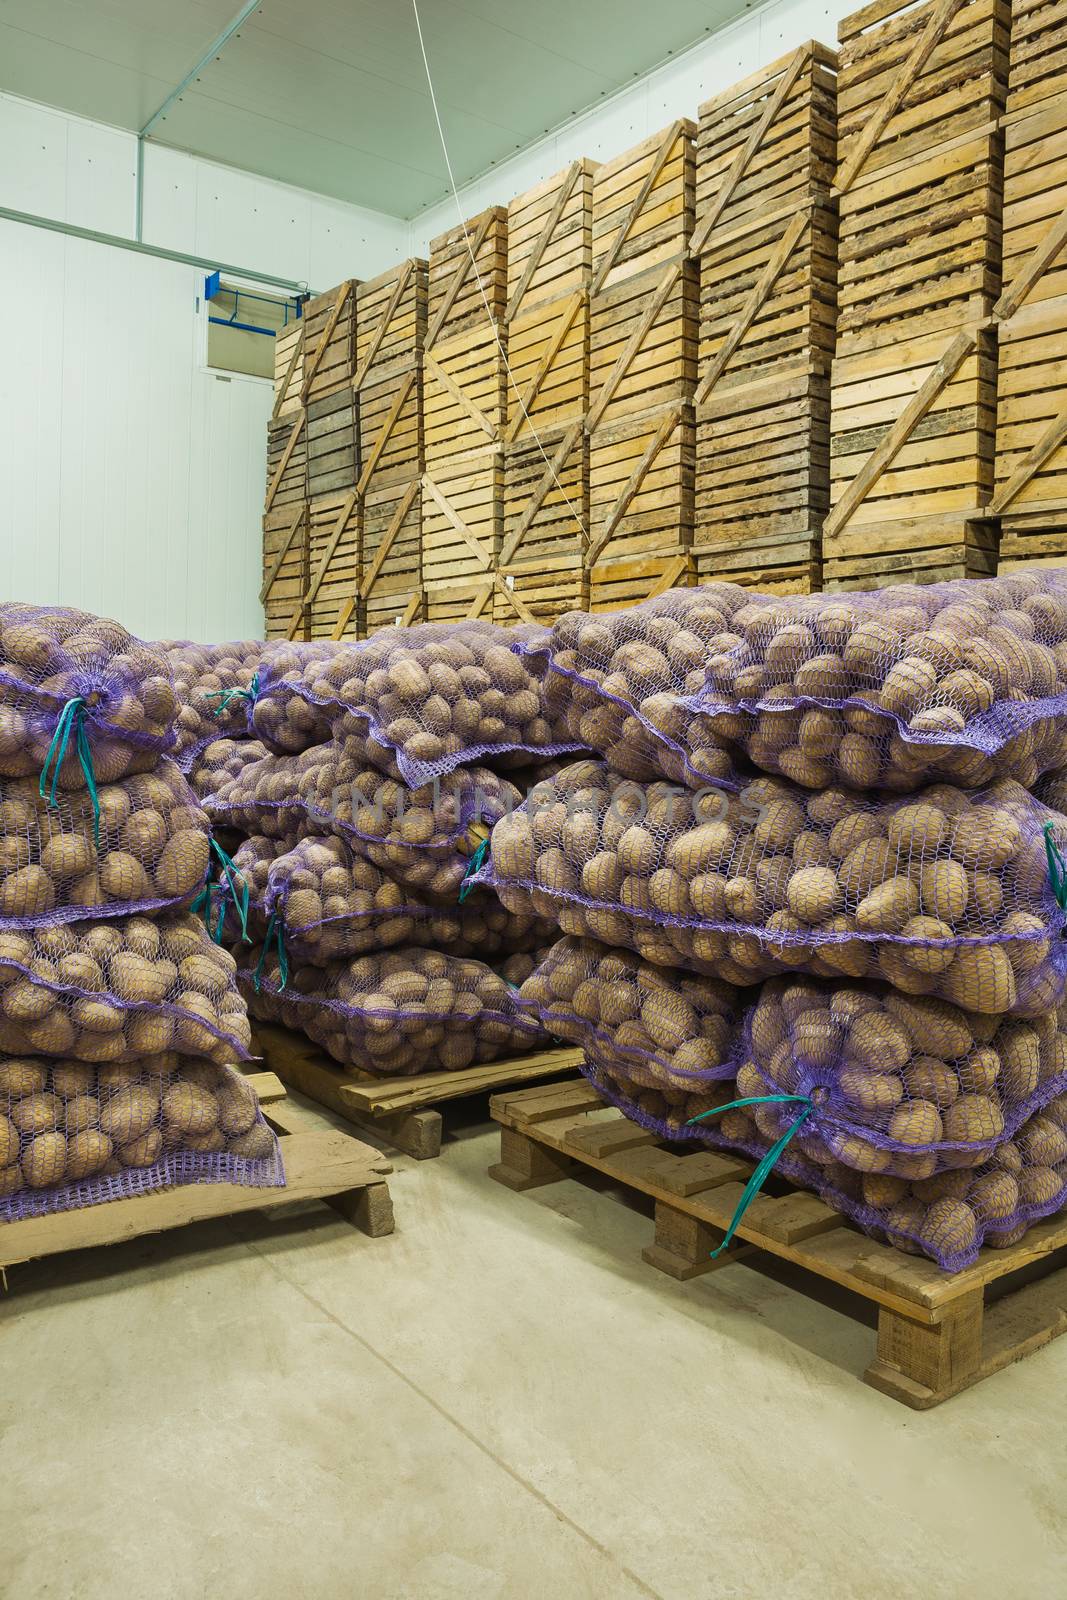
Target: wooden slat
388,538
565,321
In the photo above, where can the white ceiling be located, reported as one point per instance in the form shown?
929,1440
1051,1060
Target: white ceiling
331,94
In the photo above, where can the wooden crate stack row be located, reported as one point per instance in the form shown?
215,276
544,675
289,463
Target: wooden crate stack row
913,387
463,418
642,371
390,334
765,241
546,463
1031,442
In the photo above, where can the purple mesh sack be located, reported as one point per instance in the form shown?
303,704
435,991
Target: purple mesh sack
948,1217
945,893
143,846
430,698
397,1014
1051,790
964,681
220,761
423,838
213,686
326,901
81,701
659,1026
120,989
74,1135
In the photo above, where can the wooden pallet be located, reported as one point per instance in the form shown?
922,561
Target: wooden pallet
320,1165
286,571
399,1110
1031,458
335,531
288,371
938,1333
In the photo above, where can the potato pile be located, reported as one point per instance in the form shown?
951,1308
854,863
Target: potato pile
152,851
140,1124
119,989
333,902
401,1013
944,893
423,838
658,1027
894,689
212,685
437,695
901,1084
49,656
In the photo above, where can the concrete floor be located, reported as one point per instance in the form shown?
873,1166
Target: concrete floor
500,1402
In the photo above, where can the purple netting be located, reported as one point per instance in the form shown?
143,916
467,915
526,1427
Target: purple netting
118,990
122,688
404,1012
147,850
329,902
213,687
219,762
660,1027
900,1084
422,838
946,892
428,699
965,681
74,1135
949,1217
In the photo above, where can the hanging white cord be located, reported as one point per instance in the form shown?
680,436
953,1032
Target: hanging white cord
478,277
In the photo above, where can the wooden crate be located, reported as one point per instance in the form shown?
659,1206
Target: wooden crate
329,342
401,1111
459,287
541,591
643,293
332,444
920,92
938,1333
641,478
320,1164
462,516
390,585
286,463
390,331
779,563
1031,446
546,517
463,600
286,571
620,581
330,603
288,370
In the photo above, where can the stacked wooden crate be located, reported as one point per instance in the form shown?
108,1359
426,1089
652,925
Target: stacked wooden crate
332,458
285,543
765,240
546,482
390,331
463,416
1031,448
642,371
920,92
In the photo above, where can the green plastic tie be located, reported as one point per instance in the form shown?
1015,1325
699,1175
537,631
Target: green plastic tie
760,1173
473,866
1057,867
275,931
224,696
71,718
238,888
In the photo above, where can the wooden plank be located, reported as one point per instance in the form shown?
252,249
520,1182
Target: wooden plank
570,308
389,537
335,539
380,1097
465,403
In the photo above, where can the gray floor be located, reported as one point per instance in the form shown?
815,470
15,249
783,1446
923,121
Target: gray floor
499,1402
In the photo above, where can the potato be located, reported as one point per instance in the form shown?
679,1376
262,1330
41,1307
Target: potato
87,1152
190,1108
44,1160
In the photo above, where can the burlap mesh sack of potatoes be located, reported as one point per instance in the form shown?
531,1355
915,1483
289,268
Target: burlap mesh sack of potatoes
662,1028
328,901
143,846
73,1134
943,893
948,1216
964,681
218,763
397,1014
78,695
119,989
423,838
431,697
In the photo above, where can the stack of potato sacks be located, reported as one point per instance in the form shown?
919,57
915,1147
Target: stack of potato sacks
809,872
384,765
118,1016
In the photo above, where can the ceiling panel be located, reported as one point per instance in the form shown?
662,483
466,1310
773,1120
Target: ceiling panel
331,94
